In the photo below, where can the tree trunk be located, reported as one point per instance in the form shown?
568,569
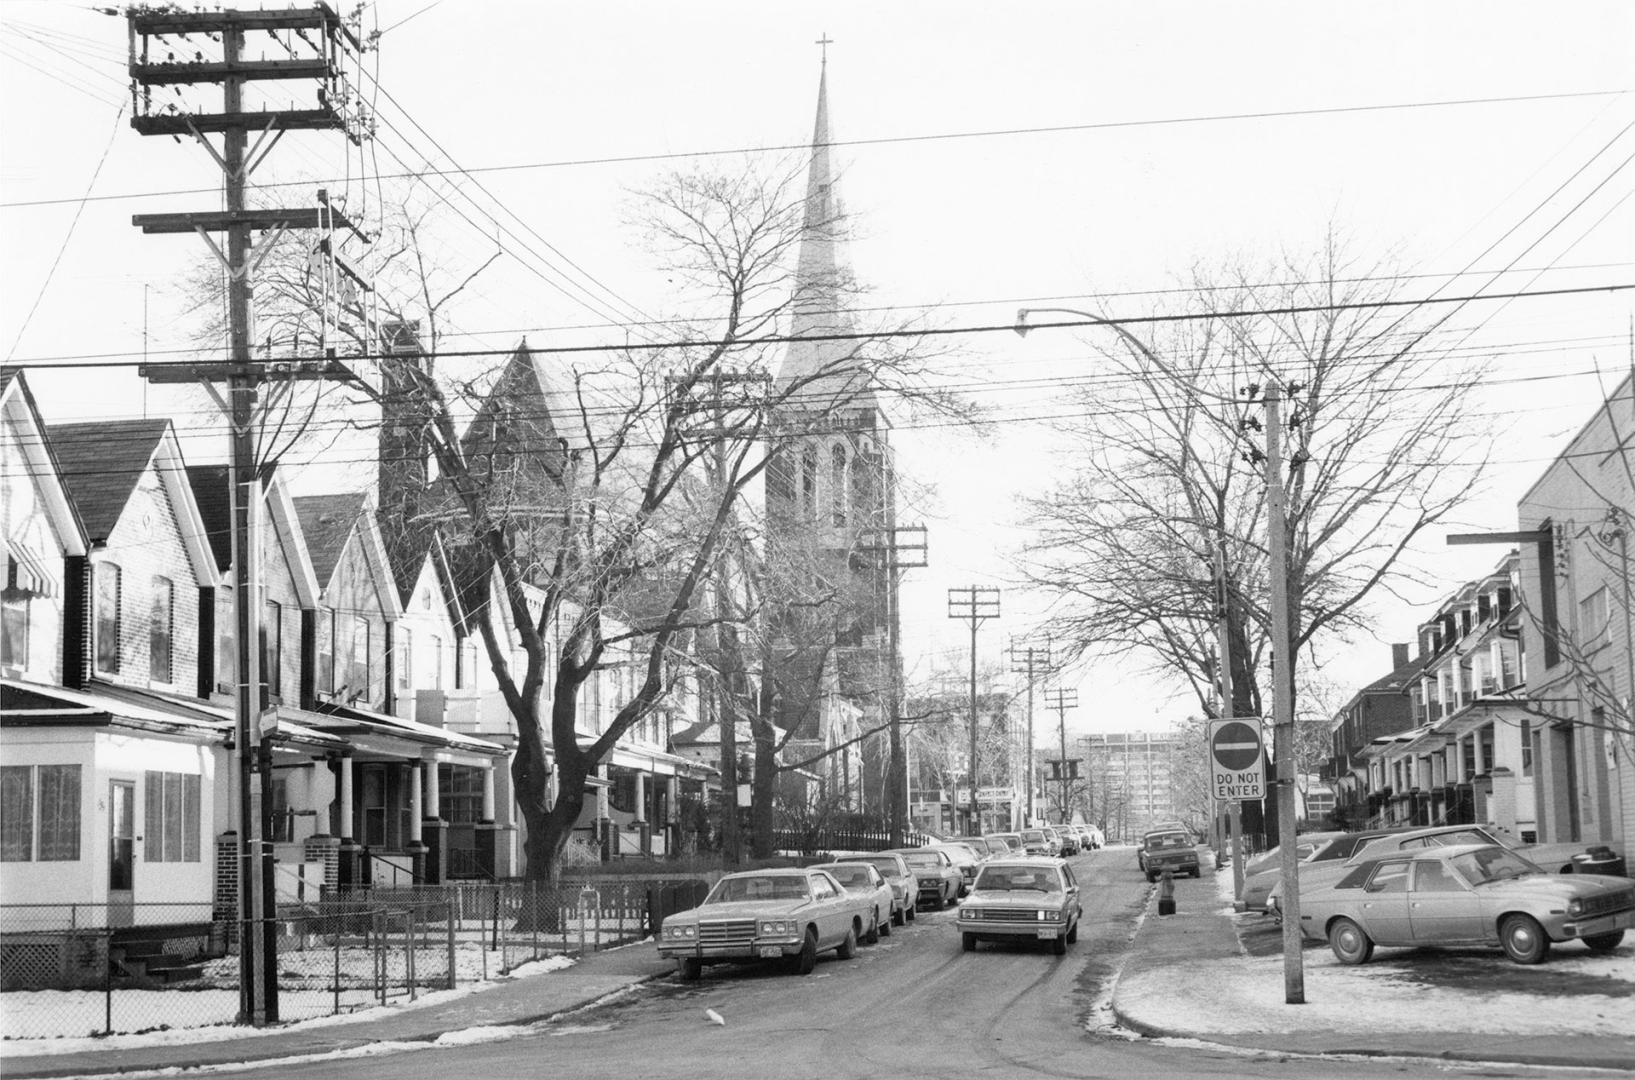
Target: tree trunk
763,789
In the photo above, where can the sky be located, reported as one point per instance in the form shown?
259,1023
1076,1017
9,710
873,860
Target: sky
994,156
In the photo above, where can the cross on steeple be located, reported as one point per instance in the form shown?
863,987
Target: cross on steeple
823,43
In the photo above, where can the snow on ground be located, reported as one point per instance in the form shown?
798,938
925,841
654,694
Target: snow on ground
53,1021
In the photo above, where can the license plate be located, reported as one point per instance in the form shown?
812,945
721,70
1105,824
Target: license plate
1046,935
770,952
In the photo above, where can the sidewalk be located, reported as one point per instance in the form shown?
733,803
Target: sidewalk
1188,976
509,1003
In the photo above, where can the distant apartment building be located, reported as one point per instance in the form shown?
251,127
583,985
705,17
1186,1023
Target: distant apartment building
1131,781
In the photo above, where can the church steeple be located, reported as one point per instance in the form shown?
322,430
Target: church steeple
823,283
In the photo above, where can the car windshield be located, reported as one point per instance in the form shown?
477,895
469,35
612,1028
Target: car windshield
733,890
1016,878
855,875
885,866
1167,840
928,860
1033,834
1487,865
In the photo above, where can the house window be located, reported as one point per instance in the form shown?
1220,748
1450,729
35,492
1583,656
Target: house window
272,648
462,793
1593,617
39,813
1526,747
281,819
172,819
107,618
326,651
436,662
160,623
14,630
357,672
405,658
373,788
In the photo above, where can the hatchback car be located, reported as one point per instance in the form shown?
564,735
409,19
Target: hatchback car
1022,899
1469,894
790,915
1039,842
1067,841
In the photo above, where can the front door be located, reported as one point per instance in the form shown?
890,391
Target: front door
121,851
1441,908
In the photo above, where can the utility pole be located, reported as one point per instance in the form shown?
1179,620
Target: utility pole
1294,975
1031,661
902,547
318,43
976,605
1061,701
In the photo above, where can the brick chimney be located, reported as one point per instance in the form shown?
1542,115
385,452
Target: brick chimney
1399,655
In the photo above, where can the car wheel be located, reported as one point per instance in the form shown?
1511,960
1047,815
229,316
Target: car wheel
1350,944
899,916
968,942
910,910
1073,933
691,969
806,959
873,936
1604,942
1524,940
883,927
848,948
1197,871
1059,946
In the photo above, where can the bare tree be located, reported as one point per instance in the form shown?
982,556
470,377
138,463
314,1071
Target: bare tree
1381,443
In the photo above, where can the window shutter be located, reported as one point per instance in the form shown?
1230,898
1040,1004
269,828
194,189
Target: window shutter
153,794
190,818
16,813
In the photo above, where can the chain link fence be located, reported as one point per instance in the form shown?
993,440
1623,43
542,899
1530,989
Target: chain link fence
65,972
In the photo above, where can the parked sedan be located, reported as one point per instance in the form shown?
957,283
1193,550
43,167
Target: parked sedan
965,858
1174,852
766,915
1470,894
904,886
1039,842
1067,841
939,879
1008,843
865,881
1022,899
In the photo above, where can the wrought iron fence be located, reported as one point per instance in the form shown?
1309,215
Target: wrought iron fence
65,971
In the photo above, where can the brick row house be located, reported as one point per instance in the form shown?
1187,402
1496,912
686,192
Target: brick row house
1515,711
389,744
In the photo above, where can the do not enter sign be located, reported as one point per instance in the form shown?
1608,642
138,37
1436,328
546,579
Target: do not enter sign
1236,759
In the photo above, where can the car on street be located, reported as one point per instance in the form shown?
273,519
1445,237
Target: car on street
790,915
1385,841
1067,841
1009,843
1264,871
939,879
966,858
1174,852
892,867
1022,899
865,881
1466,894
1040,842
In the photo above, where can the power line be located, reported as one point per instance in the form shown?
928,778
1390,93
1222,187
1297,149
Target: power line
1108,125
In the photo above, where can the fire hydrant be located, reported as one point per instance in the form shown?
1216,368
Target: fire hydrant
1166,894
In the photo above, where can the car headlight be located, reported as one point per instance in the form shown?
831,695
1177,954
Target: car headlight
775,927
970,913
679,931
1575,907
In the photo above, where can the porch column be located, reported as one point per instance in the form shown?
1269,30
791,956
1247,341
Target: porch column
433,829
349,872
672,808
604,821
642,826
1479,750
416,847
487,831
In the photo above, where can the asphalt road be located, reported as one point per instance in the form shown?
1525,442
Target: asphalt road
913,1006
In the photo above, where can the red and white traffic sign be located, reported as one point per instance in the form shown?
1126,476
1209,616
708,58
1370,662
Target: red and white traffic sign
1237,759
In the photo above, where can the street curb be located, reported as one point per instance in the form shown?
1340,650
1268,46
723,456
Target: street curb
248,1053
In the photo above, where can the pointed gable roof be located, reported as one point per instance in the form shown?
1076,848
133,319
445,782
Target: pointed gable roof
101,463
821,368
518,415
326,523
22,415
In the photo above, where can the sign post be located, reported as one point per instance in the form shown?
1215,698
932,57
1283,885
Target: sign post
1237,759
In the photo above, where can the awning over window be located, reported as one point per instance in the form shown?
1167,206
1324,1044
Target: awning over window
28,572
